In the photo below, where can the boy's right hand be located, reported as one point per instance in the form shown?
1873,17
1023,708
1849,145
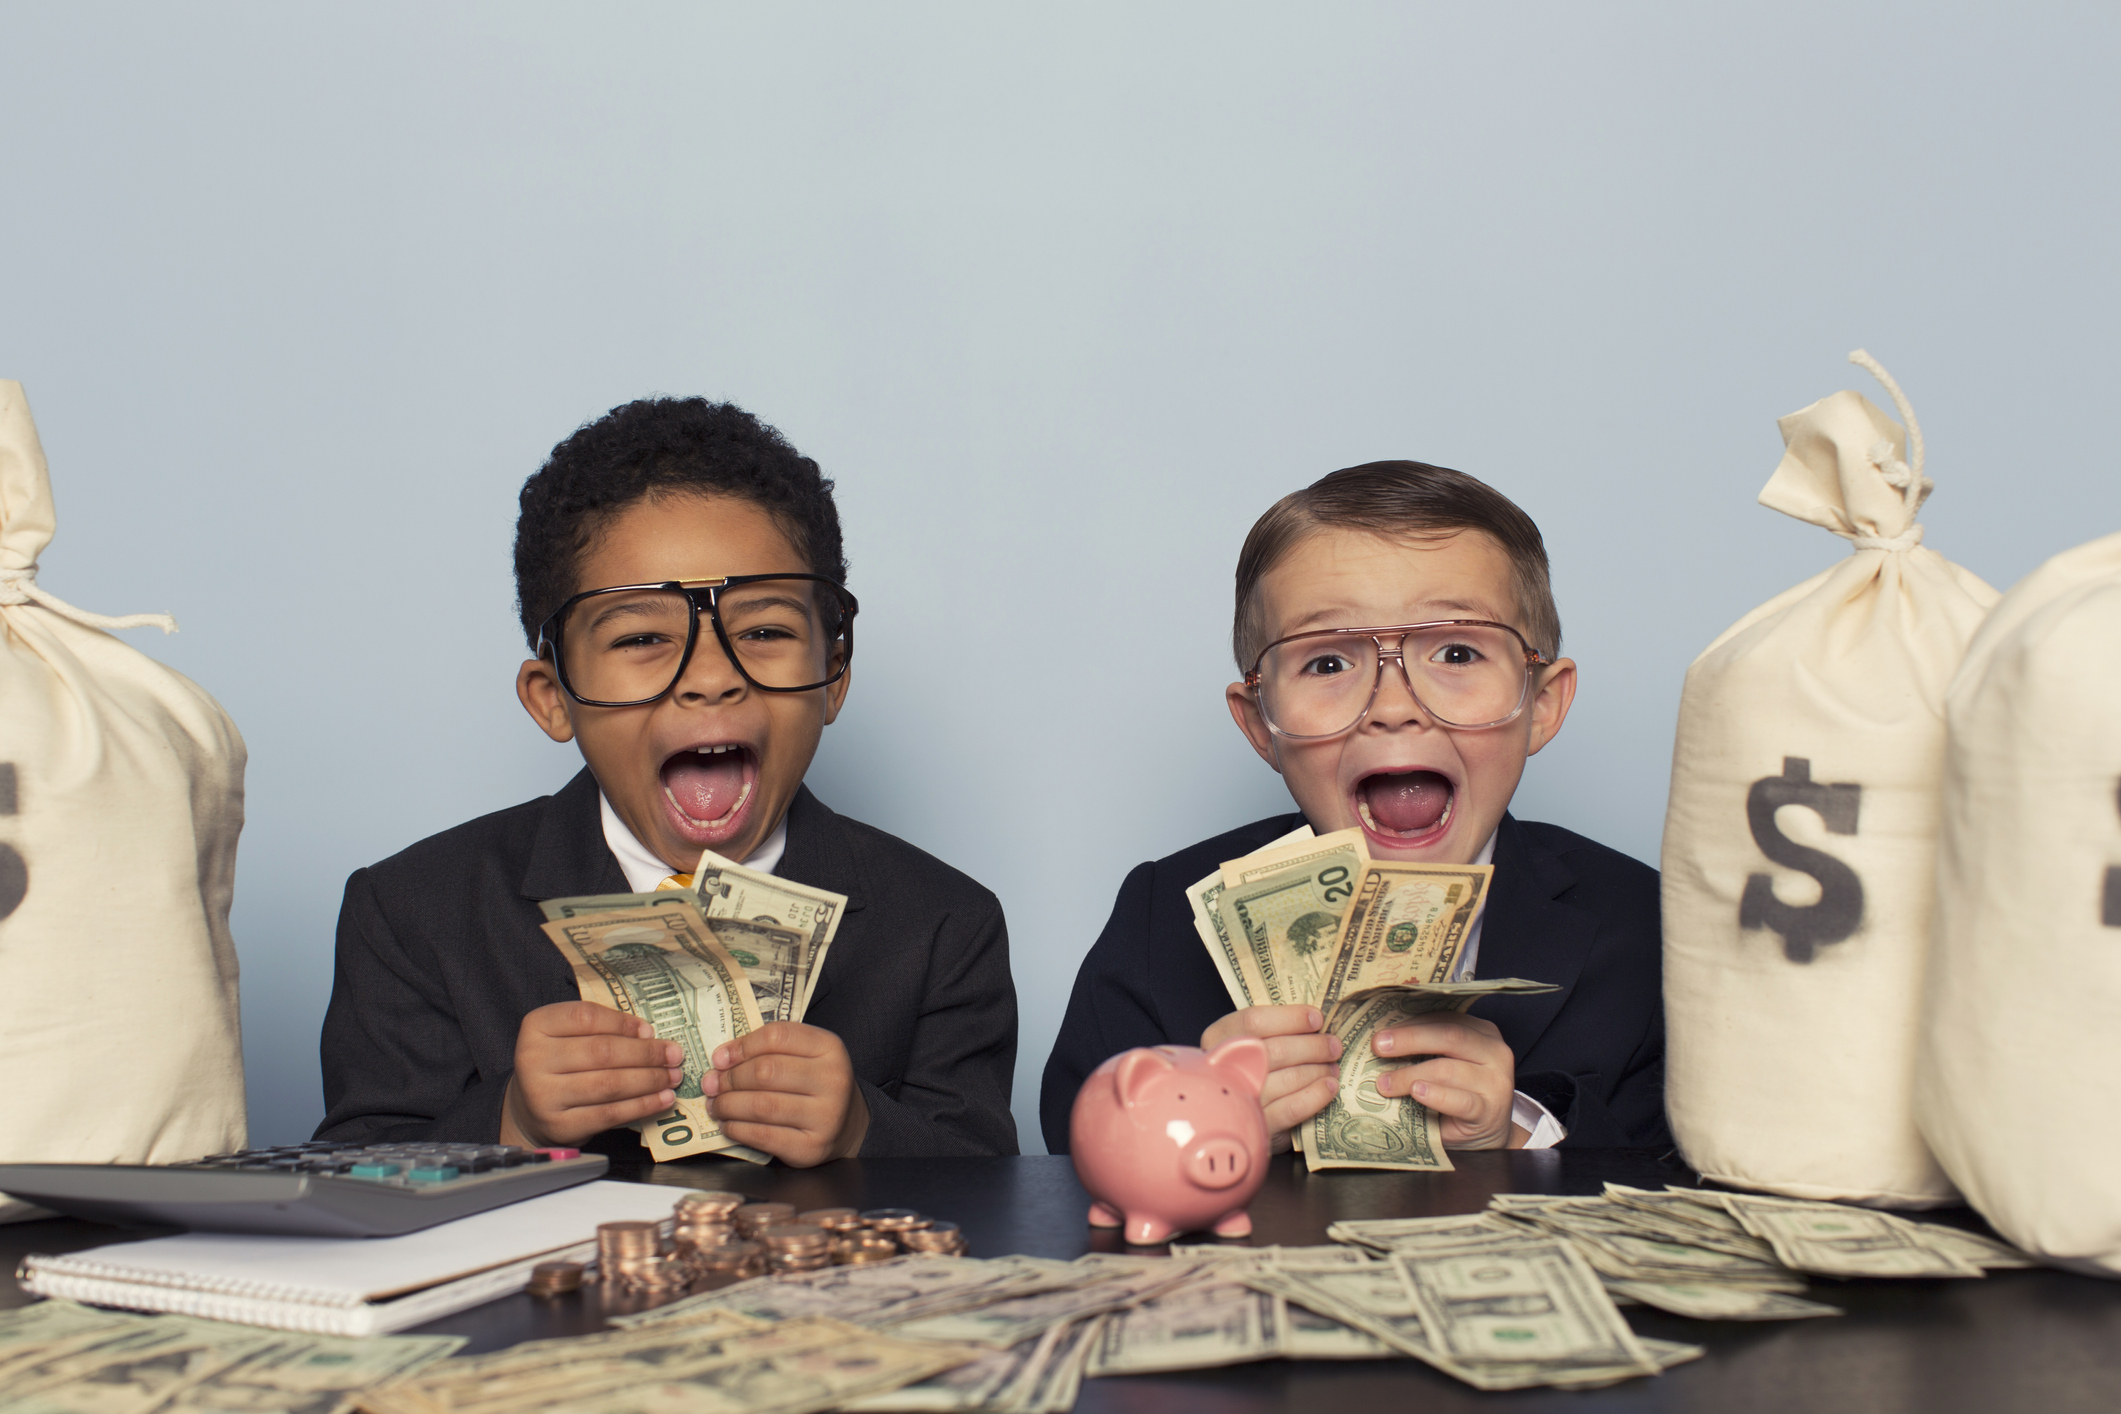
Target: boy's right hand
1302,1062
582,1069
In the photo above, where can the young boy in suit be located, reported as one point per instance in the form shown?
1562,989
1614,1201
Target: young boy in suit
681,584
1401,658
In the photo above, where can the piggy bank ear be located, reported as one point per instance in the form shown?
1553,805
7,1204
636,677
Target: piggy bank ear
1138,1068
1243,1062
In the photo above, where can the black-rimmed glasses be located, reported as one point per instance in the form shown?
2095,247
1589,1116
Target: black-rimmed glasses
1465,673
629,644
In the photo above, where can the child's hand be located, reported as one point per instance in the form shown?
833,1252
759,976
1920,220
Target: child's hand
1471,1082
582,1069
789,1089
1302,1070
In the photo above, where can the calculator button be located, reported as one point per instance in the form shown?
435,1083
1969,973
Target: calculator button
375,1170
441,1174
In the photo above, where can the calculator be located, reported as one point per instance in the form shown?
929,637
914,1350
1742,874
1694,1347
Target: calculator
317,1189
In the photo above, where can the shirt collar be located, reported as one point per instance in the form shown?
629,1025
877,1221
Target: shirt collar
644,871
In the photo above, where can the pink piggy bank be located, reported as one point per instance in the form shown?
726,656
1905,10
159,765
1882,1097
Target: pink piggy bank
1169,1139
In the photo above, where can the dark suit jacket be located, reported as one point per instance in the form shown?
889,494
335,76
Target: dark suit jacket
1563,910
440,956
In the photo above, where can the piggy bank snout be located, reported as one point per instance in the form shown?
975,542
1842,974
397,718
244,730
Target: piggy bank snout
1218,1163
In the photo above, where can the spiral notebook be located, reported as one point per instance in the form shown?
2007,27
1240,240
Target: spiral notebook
348,1286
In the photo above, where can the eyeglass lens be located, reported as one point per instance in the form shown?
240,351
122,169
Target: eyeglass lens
628,645
1465,675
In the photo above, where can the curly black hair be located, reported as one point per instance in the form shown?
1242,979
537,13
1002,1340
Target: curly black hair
658,446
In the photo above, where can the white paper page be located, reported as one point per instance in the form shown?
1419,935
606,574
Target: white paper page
346,1271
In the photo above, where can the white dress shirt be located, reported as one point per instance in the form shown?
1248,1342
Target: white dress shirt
644,871
1526,1113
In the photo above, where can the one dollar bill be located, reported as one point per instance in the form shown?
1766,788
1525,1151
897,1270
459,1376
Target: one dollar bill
1361,1128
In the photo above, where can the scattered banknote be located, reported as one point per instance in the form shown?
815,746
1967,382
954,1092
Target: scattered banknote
883,1295
1835,1240
1711,1301
1560,1311
1209,1320
1362,1128
728,1364
1535,1301
1708,1255
1012,1319
664,965
60,1358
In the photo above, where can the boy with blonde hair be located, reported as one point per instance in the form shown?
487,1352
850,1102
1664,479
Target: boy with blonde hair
1401,654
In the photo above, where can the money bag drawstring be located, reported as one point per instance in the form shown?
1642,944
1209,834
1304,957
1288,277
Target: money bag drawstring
1913,486
20,587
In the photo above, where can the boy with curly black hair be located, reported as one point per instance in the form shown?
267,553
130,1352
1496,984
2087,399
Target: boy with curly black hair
682,586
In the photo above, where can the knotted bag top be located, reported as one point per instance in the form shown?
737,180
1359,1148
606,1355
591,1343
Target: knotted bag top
1846,467
28,522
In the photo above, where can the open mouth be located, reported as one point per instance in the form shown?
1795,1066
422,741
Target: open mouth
1407,809
708,788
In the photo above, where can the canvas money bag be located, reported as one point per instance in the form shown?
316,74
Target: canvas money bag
121,794
2020,1072
1800,842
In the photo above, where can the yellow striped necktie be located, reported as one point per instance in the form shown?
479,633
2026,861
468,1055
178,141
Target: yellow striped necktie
675,881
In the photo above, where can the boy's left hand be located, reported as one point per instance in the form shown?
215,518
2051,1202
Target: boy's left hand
789,1089
1470,1080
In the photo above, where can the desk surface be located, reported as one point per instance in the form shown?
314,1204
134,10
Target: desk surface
2017,1340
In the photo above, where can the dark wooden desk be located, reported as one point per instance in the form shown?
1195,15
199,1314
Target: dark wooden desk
2018,1340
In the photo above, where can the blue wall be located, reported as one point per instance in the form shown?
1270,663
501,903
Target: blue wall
301,294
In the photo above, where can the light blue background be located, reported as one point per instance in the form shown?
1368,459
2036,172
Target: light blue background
1064,300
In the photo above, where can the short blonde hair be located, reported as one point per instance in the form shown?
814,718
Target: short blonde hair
1412,500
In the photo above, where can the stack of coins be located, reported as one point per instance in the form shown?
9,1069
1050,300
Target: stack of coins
733,1260
860,1249
703,1221
796,1247
709,1205
555,1278
944,1239
891,1222
839,1222
754,1218
631,1254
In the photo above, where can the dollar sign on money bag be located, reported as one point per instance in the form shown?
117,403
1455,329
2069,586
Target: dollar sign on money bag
14,870
1804,927
2110,910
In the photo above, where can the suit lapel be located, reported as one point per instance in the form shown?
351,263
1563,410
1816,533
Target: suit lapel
820,855
569,856
1529,933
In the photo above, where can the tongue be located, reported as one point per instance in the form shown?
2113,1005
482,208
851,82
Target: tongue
705,787
1407,804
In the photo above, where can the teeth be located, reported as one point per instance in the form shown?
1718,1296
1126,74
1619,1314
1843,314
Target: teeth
715,750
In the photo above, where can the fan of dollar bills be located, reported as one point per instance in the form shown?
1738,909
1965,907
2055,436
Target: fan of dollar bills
704,965
1312,920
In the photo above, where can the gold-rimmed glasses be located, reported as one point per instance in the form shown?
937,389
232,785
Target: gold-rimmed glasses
1465,673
